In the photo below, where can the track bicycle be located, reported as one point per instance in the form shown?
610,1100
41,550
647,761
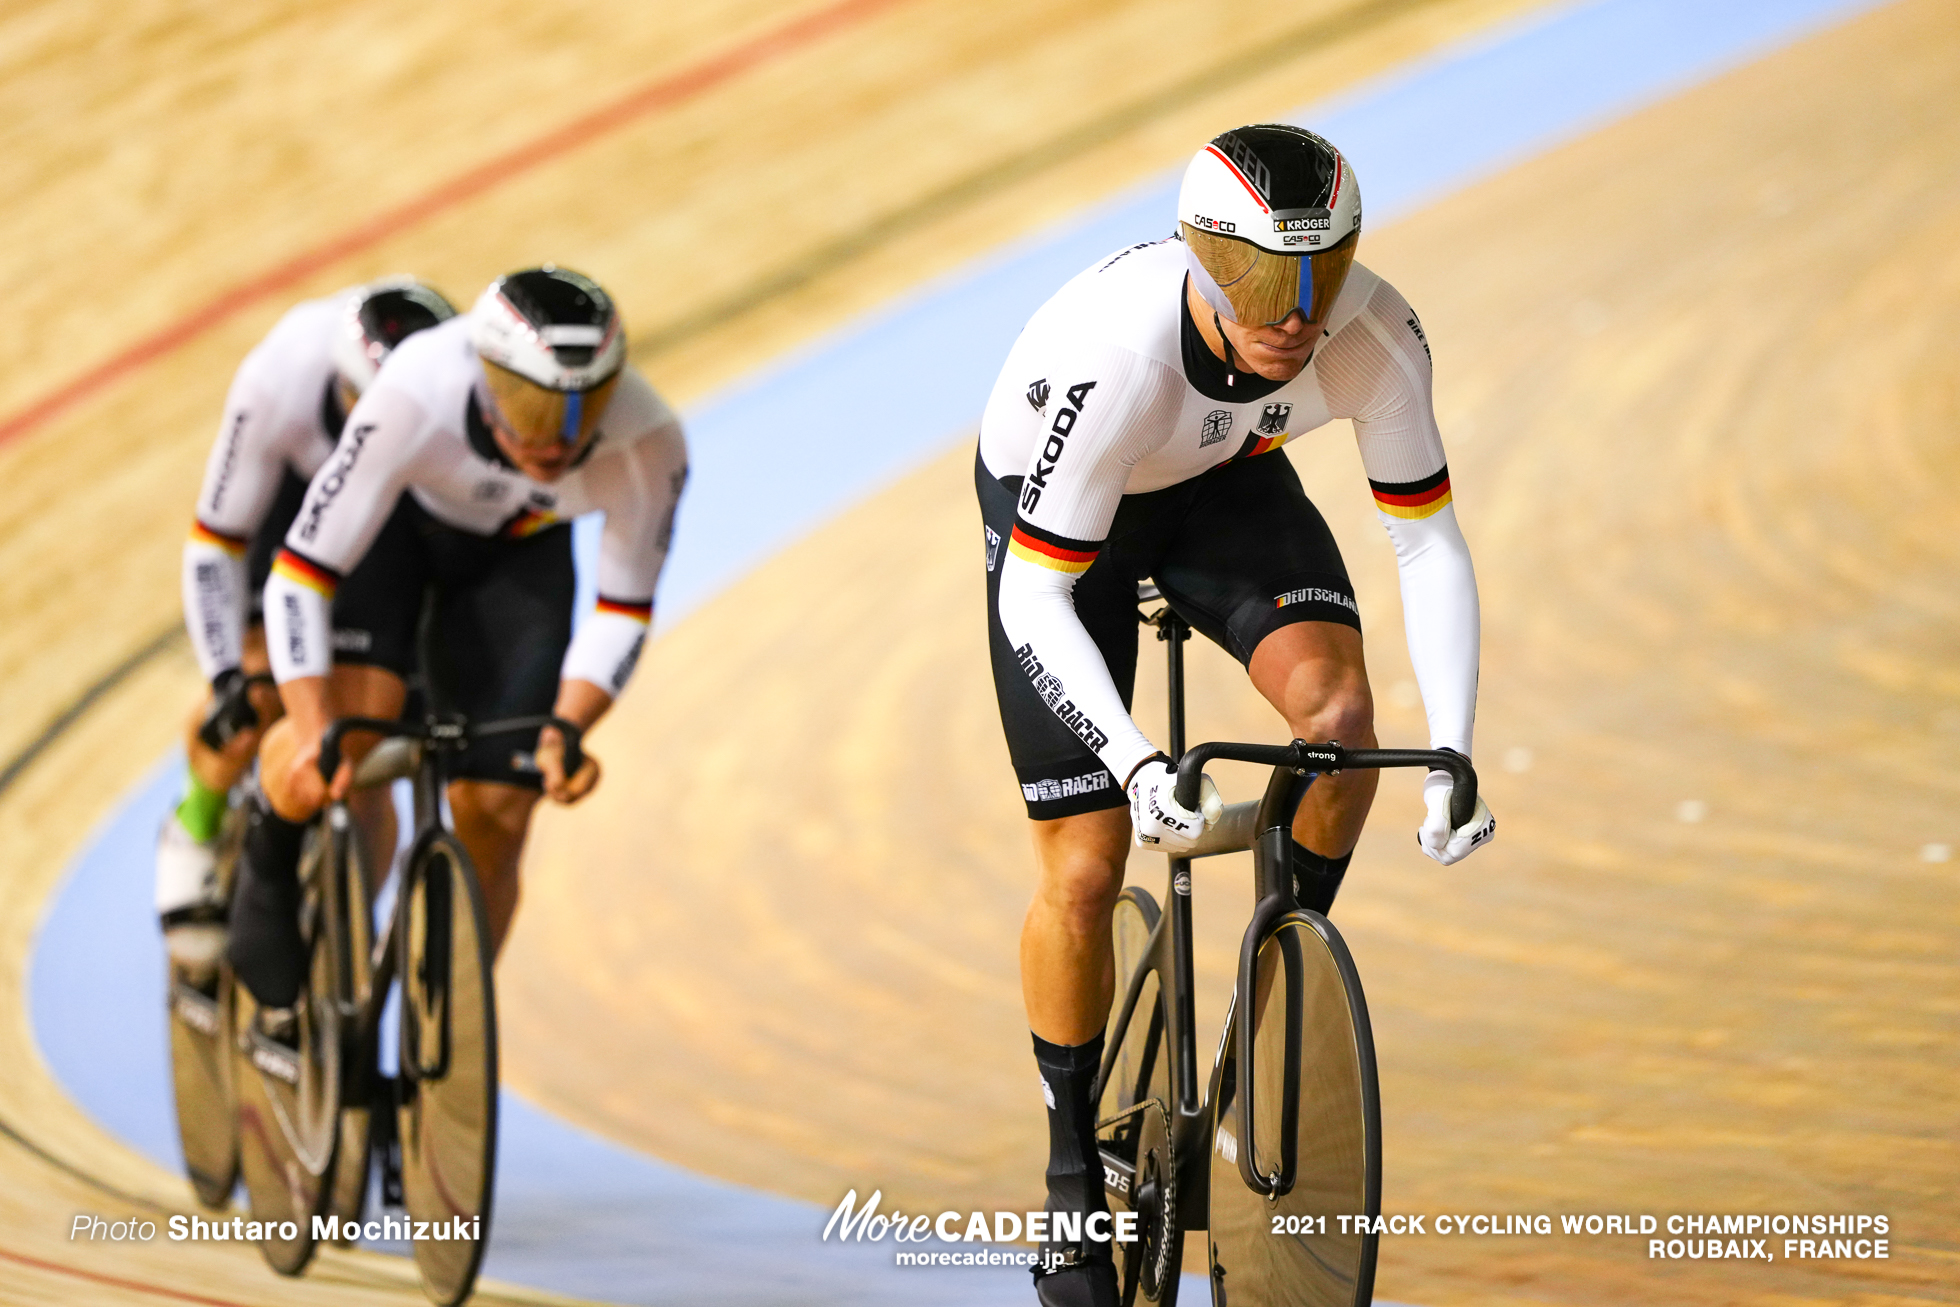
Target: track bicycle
199,1000
315,1110
1285,1138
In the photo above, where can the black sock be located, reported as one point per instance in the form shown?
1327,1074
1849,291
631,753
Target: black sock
265,949
1068,1073
1316,878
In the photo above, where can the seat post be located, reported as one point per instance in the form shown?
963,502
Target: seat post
1174,631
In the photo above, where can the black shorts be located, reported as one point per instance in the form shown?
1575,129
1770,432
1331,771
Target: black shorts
1239,552
502,619
265,543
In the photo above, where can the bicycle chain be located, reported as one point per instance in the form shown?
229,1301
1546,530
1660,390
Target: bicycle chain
1158,1272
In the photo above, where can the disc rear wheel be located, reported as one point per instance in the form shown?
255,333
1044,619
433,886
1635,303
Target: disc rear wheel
1317,1114
347,1196
200,1059
1139,1165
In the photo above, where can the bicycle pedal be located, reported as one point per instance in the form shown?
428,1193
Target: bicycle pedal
384,1138
195,1009
274,1059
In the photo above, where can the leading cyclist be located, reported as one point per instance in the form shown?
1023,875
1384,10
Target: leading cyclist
286,407
1124,439
500,427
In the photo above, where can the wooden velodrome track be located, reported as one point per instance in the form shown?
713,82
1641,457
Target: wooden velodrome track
1699,449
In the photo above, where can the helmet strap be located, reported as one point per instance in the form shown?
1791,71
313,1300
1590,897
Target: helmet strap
1231,368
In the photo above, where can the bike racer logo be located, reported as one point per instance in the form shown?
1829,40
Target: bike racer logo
1218,425
295,630
1420,338
1051,453
1038,395
1055,695
993,547
622,672
1048,789
1272,419
230,459
335,481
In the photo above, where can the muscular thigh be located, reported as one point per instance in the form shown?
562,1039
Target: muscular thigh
1249,555
377,607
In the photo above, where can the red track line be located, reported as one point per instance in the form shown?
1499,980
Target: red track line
136,1286
667,91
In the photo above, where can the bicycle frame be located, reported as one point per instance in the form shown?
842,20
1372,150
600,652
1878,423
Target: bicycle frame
429,742
1168,953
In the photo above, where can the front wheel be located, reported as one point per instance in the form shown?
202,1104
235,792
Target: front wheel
1317,1118
448,1114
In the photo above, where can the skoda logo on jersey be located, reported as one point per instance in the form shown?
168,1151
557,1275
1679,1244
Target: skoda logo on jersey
1218,425
1272,420
1051,450
1038,395
328,488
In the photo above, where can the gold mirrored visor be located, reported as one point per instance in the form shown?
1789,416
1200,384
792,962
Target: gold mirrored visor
1259,288
543,418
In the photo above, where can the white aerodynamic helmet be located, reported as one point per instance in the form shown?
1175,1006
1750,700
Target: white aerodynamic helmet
378,317
1270,215
552,345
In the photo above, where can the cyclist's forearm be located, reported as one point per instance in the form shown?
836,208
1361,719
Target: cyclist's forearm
309,702
1440,616
581,703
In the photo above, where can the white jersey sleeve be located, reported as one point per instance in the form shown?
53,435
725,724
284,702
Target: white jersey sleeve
241,479
345,507
1377,371
639,495
1108,409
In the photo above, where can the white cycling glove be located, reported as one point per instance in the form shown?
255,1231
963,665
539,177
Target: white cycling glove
1436,837
1161,822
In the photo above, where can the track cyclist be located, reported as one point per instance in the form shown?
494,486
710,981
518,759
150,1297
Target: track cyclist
287,404
500,427
1126,438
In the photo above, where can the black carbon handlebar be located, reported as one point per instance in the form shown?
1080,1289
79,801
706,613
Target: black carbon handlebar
1328,758
230,712
448,734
